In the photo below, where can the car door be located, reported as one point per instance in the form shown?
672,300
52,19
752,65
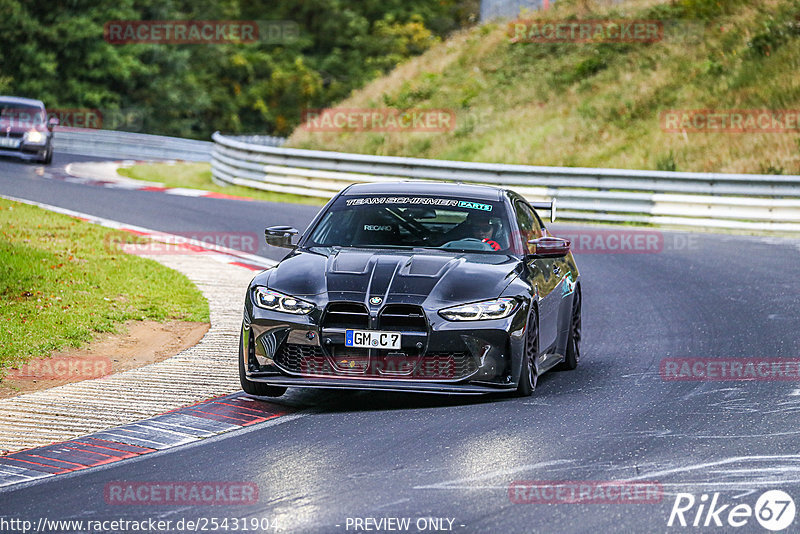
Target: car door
542,275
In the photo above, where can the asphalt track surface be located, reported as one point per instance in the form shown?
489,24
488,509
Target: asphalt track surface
358,455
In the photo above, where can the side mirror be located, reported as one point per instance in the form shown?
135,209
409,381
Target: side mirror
53,121
549,247
280,236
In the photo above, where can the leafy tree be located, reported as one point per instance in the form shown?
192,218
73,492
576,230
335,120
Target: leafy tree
56,52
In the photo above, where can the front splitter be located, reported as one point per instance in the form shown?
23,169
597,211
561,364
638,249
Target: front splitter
409,386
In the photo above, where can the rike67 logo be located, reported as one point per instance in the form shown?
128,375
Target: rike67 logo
774,510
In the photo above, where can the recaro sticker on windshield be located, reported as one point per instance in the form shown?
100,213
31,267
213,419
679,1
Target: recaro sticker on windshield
428,201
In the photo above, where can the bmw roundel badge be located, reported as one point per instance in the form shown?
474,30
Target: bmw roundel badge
375,300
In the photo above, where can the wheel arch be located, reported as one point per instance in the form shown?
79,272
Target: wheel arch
518,362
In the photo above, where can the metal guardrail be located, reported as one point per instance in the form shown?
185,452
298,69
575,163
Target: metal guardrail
737,201
127,145
258,139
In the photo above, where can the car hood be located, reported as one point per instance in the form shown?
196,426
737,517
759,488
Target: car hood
357,274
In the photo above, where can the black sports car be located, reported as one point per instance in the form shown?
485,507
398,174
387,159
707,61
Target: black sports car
414,286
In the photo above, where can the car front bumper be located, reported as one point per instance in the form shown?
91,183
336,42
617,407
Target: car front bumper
463,357
26,152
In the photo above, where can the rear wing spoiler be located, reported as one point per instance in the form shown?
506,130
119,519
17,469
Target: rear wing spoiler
547,206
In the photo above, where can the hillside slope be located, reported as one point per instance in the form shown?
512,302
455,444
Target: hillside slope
600,104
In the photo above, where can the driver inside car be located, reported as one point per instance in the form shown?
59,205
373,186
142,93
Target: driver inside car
482,229
478,226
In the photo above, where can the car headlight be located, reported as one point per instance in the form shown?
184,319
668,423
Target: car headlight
481,311
34,136
272,300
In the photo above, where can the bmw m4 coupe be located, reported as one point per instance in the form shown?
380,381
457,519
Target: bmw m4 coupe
414,286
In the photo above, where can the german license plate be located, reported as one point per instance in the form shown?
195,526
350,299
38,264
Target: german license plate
372,339
8,142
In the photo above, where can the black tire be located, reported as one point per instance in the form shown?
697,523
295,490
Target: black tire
573,355
528,376
255,388
46,158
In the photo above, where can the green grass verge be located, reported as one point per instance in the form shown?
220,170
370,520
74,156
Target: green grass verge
598,104
198,176
61,281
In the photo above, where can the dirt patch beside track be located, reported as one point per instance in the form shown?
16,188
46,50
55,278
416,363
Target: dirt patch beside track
140,343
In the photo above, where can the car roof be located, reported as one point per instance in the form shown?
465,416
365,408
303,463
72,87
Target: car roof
482,192
21,101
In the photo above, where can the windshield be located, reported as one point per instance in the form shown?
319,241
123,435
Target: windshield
13,114
446,223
